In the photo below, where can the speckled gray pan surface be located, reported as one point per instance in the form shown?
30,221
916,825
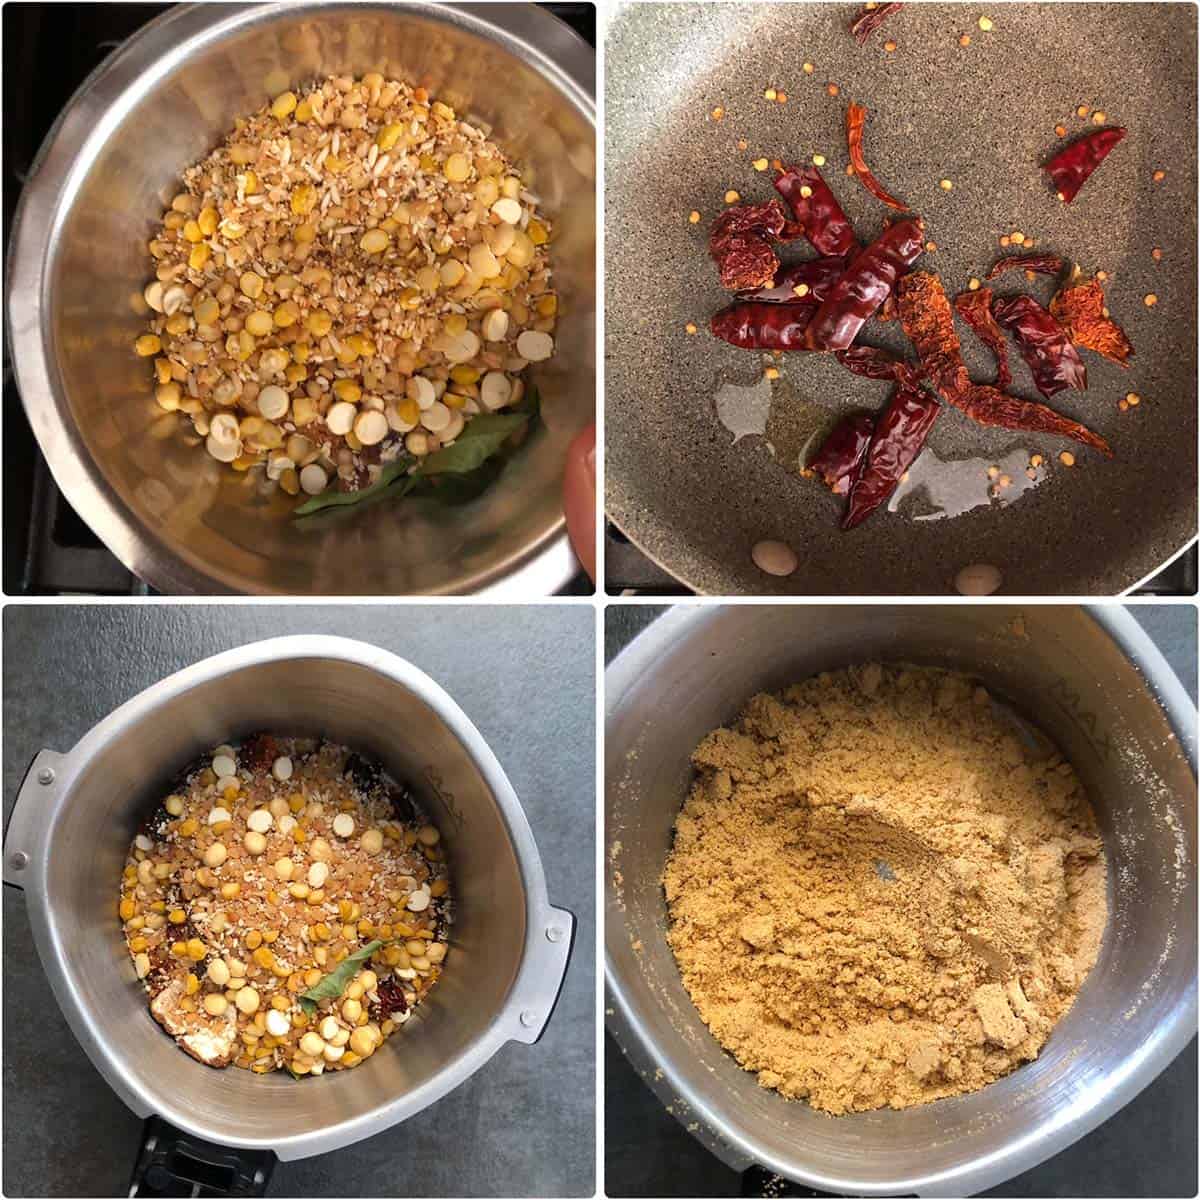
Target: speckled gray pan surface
694,497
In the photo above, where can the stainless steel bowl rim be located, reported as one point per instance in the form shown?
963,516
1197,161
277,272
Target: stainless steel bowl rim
541,568
637,660
530,1000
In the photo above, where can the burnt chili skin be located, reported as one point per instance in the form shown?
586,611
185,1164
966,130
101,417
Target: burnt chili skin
868,280
1043,343
899,435
740,244
1071,168
841,455
870,19
818,214
1080,311
1043,264
873,363
975,308
990,406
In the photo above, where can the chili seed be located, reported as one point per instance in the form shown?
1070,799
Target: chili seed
1067,458
1036,460
973,284
781,97
832,89
889,46
743,144
1098,117
1082,110
931,246
801,289
760,164
1005,239
769,94
1060,130
1159,176
694,217
1150,300
771,373
1102,275
805,191
808,68
965,40
731,197
818,160
1156,254
1133,398
945,185
690,327
718,113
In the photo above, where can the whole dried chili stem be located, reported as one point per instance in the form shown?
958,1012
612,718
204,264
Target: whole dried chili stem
856,119
1070,168
816,210
1043,264
816,276
1080,311
976,309
842,452
899,435
740,244
870,19
755,325
868,280
928,321
1053,361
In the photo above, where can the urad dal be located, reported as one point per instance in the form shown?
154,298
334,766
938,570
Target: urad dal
880,894
286,907
344,283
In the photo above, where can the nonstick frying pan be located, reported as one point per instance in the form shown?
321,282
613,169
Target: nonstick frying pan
702,453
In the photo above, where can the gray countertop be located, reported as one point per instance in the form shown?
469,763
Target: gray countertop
524,1124
1146,1149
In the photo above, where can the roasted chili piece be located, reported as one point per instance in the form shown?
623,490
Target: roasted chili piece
1044,345
740,244
870,20
976,309
818,275
990,406
1043,264
899,435
1080,311
856,119
929,323
873,363
868,280
1070,168
842,452
928,320
818,214
758,325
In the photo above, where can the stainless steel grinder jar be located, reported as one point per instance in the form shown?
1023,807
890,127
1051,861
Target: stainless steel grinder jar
1097,685
77,812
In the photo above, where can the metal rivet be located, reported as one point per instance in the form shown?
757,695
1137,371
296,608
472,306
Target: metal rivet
45,775
18,860
529,1018
555,933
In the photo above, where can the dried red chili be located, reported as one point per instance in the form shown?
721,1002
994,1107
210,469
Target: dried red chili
1080,311
842,452
866,284
899,435
817,275
1044,345
1043,264
758,325
990,406
870,19
928,321
740,244
818,214
856,119
1070,168
873,363
976,309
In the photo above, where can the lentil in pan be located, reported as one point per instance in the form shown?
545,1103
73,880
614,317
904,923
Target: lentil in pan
344,283
286,907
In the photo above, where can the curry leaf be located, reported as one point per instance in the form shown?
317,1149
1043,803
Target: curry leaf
332,499
333,984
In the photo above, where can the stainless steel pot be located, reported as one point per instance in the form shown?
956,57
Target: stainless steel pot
1093,681
79,262
77,812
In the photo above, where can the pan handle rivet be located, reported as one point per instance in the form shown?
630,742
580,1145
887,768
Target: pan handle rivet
529,1018
18,860
555,933
45,775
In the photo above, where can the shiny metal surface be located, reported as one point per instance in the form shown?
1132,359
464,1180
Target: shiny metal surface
66,842
78,259
1093,681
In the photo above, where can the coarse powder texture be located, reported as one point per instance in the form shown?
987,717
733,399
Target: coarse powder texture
880,894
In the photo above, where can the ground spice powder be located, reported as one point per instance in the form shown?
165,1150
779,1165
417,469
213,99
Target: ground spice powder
881,892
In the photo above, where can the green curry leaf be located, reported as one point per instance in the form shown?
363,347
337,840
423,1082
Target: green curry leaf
336,982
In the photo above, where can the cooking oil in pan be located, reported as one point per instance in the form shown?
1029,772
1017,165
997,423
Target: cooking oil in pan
935,488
